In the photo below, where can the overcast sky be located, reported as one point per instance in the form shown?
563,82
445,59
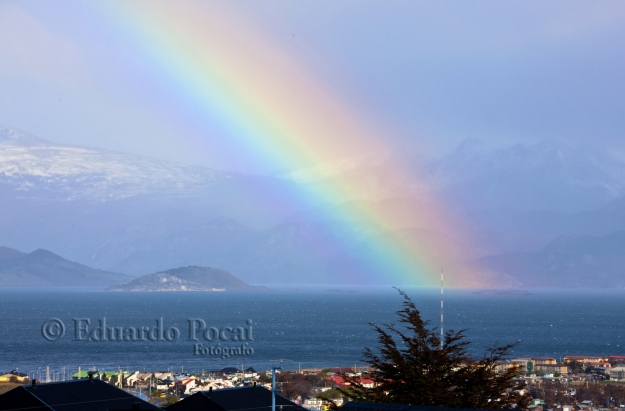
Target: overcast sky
434,72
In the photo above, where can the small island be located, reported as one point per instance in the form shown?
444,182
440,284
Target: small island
191,278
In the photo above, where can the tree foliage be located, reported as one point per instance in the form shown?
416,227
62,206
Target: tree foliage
295,385
411,367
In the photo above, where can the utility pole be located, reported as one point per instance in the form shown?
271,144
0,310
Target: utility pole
273,386
442,300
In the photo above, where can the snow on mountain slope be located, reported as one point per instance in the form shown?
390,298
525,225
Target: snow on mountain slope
28,163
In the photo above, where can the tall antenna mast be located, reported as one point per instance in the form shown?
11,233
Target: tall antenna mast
442,300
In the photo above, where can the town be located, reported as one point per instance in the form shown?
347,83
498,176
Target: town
576,383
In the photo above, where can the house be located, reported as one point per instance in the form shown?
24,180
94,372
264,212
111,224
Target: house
583,358
254,398
188,384
554,368
314,404
250,373
138,377
132,379
338,381
544,360
502,366
13,376
164,376
616,373
79,395
617,359
526,364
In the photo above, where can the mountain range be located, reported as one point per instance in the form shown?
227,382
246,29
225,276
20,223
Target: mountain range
567,262
44,268
123,213
548,175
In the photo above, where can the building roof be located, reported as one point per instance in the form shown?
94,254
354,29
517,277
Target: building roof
337,379
370,406
340,381
13,373
81,395
230,399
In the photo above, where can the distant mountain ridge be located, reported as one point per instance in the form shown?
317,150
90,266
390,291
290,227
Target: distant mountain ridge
545,175
191,278
30,165
123,213
567,262
44,268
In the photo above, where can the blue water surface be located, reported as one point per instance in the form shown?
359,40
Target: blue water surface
303,327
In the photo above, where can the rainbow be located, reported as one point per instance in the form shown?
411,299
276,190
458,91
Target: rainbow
263,102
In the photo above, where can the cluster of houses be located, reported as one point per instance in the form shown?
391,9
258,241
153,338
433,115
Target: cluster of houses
199,391
612,366
180,384
183,385
96,395
228,390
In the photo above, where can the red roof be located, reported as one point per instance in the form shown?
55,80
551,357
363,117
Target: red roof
340,381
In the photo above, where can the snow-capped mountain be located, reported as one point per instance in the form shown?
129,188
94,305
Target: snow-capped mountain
31,165
136,215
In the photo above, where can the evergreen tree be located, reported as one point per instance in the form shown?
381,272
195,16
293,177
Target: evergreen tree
411,367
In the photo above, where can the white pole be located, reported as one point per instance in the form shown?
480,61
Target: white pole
442,300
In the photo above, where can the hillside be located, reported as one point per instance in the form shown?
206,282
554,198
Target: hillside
191,278
568,261
44,268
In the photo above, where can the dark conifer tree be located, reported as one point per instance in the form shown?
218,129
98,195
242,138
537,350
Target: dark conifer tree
411,367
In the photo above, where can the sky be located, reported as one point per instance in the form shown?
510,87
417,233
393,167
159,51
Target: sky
357,77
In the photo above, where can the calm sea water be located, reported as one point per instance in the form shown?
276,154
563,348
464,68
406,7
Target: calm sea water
307,328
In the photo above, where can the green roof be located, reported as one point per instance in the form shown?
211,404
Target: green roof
97,374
